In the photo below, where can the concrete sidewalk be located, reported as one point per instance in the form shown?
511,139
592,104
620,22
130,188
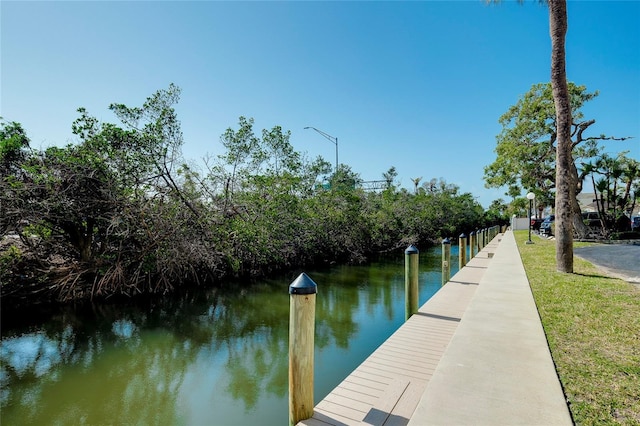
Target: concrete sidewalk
497,369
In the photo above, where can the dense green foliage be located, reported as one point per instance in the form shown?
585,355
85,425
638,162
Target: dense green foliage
526,157
121,212
616,183
526,146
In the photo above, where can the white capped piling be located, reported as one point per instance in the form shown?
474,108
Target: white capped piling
411,259
462,250
446,260
302,312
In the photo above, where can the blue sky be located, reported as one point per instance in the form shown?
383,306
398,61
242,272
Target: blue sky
415,85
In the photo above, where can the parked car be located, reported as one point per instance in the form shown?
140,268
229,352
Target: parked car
635,223
535,223
547,225
623,223
591,219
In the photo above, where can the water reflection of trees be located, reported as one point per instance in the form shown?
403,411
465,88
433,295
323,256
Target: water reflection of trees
104,378
128,364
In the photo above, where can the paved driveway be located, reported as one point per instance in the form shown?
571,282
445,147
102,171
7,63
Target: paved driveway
620,260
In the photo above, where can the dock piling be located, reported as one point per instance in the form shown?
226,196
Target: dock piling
411,259
302,311
462,250
472,245
446,260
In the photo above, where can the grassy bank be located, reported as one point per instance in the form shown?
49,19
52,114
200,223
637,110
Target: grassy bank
592,323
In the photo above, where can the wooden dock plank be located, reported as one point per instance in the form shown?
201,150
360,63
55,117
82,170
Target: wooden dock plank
397,370
364,375
404,359
405,407
363,387
406,364
314,421
354,395
337,414
354,403
382,408
401,352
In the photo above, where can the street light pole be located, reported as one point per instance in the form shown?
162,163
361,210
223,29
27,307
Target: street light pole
332,139
531,196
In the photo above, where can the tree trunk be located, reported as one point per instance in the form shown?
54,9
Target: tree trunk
581,230
80,237
565,184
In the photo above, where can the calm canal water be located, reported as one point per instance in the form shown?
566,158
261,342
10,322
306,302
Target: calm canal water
212,357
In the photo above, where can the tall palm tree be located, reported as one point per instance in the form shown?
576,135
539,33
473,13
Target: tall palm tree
632,174
416,181
565,180
565,194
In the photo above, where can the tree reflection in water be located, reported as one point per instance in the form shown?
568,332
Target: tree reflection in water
215,357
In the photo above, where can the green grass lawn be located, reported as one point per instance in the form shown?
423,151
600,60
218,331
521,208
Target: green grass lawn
592,323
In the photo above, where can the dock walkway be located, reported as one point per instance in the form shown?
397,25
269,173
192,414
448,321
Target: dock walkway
475,353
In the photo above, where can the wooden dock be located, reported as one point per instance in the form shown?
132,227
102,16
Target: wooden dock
386,388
